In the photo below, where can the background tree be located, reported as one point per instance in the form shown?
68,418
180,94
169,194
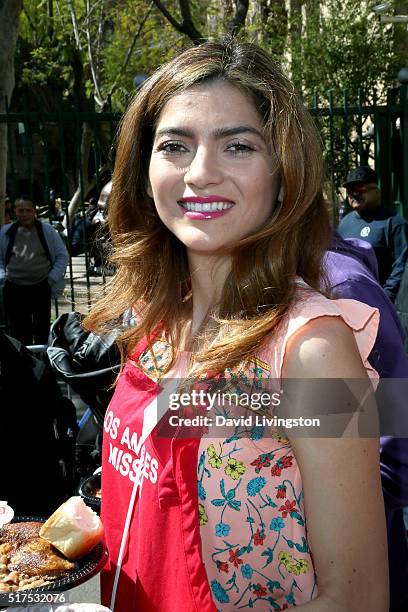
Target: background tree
9,23
187,25
65,62
273,21
84,55
400,31
343,47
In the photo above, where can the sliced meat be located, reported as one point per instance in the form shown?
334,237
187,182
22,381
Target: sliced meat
25,557
17,533
39,558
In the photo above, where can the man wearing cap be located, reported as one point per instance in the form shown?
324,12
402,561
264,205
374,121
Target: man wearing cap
383,228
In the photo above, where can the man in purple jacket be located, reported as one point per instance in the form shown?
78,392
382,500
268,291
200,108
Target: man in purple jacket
351,269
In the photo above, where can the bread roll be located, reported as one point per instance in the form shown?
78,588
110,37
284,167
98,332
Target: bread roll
74,528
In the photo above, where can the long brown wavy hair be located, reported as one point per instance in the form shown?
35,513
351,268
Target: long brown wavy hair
152,271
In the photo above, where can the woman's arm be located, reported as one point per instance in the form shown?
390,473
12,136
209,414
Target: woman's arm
341,478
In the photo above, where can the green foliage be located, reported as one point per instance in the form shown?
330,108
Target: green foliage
345,47
50,60
157,42
329,47
341,43
326,46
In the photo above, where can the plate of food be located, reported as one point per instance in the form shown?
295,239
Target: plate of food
40,555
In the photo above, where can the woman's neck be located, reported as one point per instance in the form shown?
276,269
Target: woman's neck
208,275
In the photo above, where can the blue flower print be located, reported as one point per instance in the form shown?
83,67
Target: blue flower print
277,524
247,571
274,584
201,491
222,529
219,592
250,560
255,485
257,432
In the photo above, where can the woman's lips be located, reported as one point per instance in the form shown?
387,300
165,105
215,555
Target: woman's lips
205,208
198,216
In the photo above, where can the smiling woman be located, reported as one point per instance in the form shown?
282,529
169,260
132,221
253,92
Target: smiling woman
219,227
210,160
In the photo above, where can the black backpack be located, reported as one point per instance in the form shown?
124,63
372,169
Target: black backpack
87,362
38,430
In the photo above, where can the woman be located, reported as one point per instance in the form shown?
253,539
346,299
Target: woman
219,227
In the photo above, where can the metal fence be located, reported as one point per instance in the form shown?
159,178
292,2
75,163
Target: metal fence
52,157
72,151
359,132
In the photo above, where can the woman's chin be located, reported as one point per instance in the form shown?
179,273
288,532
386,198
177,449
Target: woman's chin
202,243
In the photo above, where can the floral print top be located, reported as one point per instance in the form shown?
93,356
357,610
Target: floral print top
252,521
251,513
251,502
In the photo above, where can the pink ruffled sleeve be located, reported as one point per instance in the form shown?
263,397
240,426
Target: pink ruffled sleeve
363,321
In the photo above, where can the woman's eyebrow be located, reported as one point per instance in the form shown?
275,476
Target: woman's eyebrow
174,131
234,130
218,133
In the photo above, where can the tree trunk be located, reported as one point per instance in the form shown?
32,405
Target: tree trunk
312,17
187,26
84,184
9,24
295,42
400,33
274,22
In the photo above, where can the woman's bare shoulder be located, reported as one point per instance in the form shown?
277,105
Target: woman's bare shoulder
323,347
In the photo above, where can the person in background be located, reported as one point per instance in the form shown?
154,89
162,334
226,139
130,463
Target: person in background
8,210
33,260
58,211
52,213
81,233
351,271
101,244
92,208
101,216
383,228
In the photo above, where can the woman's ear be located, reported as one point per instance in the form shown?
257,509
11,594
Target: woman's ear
149,189
281,194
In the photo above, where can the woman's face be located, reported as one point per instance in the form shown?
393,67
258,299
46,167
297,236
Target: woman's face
212,176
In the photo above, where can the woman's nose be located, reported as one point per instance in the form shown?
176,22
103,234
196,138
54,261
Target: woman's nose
204,169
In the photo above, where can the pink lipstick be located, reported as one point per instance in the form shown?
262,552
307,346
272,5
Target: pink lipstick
205,208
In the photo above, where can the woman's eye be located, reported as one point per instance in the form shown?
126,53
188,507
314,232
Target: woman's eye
239,148
172,147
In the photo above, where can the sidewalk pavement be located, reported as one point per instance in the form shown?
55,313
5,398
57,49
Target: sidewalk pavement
89,592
